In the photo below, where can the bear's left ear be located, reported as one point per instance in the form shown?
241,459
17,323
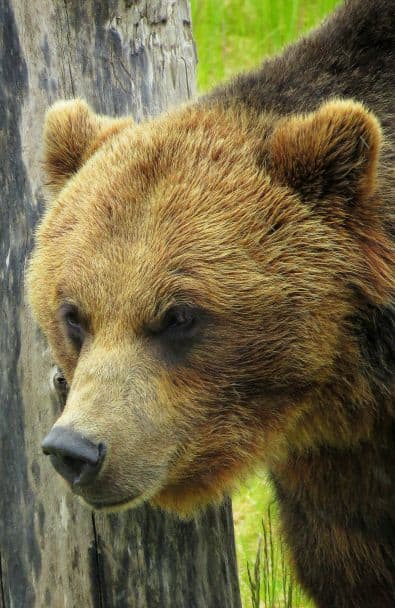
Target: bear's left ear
72,133
330,154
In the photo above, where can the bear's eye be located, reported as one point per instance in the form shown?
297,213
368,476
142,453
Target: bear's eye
177,322
73,323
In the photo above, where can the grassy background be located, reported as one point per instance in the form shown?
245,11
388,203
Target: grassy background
235,35
257,529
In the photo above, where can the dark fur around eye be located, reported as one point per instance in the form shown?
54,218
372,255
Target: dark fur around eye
73,323
181,320
177,331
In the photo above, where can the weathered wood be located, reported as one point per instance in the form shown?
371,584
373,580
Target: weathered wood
124,57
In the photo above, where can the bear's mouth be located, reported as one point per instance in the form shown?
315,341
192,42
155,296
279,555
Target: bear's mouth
108,505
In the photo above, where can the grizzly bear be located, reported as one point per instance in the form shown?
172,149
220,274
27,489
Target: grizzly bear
218,286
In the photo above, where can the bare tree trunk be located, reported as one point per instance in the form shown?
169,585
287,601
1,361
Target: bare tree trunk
129,56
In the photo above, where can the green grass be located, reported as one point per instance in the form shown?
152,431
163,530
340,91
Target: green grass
234,35
266,580
231,36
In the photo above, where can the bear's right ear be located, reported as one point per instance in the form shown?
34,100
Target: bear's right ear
329,156
72,133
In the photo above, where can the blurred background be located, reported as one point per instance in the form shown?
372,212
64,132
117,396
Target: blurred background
231,36
235,35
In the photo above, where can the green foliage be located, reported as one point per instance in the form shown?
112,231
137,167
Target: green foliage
235,35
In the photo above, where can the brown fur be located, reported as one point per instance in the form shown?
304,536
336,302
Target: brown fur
272,227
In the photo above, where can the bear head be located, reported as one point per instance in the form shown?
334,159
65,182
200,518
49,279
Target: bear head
195,276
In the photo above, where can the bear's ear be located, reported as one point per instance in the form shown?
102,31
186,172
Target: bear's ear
72,133
329,154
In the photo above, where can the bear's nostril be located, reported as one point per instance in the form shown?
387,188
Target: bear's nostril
74,466
74,456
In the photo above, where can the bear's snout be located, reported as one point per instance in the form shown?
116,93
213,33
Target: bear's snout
74,456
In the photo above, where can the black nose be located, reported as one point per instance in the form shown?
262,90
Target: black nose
74,456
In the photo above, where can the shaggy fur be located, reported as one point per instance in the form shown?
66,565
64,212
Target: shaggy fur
262,213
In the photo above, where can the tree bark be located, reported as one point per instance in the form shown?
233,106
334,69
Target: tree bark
123,56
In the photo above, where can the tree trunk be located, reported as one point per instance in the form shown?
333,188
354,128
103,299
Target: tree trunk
123,56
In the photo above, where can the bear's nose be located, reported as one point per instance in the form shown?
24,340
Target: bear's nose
74,456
